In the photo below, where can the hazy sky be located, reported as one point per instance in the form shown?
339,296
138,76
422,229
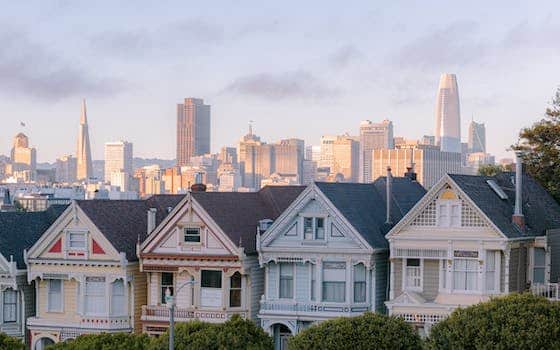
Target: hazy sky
297,68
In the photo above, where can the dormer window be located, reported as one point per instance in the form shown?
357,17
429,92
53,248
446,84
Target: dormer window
191,234
76,241
313,228
448,209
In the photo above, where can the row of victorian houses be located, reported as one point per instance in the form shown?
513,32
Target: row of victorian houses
286,257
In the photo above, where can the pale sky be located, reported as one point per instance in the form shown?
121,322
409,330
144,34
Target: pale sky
297,68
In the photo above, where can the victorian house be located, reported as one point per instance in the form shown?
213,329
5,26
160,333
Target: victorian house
19,231
204,255
468,239
85,269
326,255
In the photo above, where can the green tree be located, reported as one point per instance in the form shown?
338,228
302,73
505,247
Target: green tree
489,170
541,148
10,343
369,331
516,321
105,341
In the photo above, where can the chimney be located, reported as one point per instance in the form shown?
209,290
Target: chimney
198,186
518,218
389,194
151,219
410,173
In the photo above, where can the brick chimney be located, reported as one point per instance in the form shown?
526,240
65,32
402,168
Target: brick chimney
518,218
198,186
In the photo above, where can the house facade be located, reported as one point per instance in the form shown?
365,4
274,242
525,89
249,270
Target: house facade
85,269
204,254
18,231
326,255
468,239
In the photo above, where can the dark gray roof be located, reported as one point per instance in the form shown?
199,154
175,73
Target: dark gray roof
364,205
124,222
541,211
238,213
20,230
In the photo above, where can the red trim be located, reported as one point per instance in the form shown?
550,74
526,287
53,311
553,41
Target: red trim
96,249
57,247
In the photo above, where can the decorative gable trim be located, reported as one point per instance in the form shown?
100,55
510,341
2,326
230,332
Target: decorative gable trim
56,247
96,248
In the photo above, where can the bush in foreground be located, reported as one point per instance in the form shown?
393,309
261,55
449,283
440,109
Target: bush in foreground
516,321
105,341
369,331
10,343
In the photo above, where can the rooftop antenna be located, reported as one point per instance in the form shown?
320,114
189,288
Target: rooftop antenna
251,127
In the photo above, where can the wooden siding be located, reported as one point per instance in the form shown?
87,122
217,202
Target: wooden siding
255,285
553,241
302,282
397,277
381,281
430,279
69,313
518,269
140,288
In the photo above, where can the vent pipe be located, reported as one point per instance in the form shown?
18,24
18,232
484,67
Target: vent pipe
518,217
389,194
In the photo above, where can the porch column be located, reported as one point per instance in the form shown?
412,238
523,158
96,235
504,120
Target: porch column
391,278
319,286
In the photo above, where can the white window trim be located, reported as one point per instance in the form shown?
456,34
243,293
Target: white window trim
2,319
314,217
347,284
106,299
240,292
447,203
181,234
61,296
404,279
311,278
443,271
111,311
498,269
76,231
354,281
530,273
222,288
293,281
479,287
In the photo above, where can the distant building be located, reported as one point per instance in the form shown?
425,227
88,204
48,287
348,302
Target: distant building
228,155
326,155
477,137
288,157
65,169
229,179
346,156
24,159
448,115
428,140
278,179
373,136
150,180
118,159
248,153
193,129
309,172
84,168
313,153
477,159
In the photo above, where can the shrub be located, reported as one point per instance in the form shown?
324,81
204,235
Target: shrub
369,331
516,321
236,333
10,343
105,341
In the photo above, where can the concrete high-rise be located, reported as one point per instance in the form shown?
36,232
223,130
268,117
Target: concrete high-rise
24,158
193,129
118,159
288,157
477,137
66,167
448,115
373,136
84,167
346,155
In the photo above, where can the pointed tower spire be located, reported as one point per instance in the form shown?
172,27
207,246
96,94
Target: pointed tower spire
83,115
84,168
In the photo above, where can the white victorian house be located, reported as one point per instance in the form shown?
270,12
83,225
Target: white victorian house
469,238
326,255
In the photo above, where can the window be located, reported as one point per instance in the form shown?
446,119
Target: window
313,280
77,240
10,305
465,274
455,215
211,288
235,290
314,228
491,270
334,282
359,283
54,296
191,234
95,296
118,300
449,214
443,215
443,279
413,274
539,264
166,282
286,281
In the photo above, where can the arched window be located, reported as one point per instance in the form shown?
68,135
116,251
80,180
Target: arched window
235,290
118,298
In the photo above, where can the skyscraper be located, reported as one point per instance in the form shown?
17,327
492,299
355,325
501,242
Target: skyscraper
84,168
477,137
24,158
288,157
118,158
66,169
373,136
193,129
448,115
346,153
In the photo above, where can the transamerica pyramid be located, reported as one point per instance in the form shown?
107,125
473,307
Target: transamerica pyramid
83,154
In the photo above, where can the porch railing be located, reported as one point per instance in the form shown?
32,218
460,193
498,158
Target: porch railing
161,313
547,290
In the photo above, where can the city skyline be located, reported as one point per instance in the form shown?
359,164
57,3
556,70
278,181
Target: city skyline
388,69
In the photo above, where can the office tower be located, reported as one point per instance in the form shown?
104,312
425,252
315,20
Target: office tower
326,158
309,169
373,136
193,129
150,180
313,153
24,159
66,167
428,162
428,140
84,167
248,153
288,156
118,158
477,137
228,155
346,156
448,115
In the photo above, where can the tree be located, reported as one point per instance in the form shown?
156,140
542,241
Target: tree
10,343
540,146
105,341
489,170
516,321
369,331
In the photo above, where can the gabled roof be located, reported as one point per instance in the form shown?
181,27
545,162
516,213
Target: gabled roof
124,222
541,211
20,230
238,213
364,205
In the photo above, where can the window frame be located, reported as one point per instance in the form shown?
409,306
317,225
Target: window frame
534,266
185,235
163,287
323,281
364,282
420,277
202,288
14,304
49,287
233,289
497,271
447,205
477,288
69,241
103,296
124,302
313,233
292,278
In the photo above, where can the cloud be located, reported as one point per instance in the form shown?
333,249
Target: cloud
344,56
29,69
289,85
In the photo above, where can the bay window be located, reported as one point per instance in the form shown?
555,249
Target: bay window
10,306
286,281
334,282
235,290
413,274
211,288
359,283
539,265
94,295
54,298
118,299
465,274
166,282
